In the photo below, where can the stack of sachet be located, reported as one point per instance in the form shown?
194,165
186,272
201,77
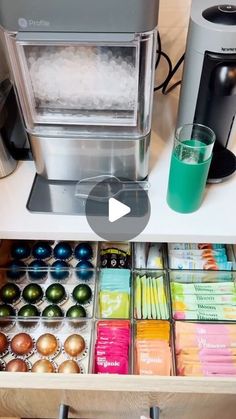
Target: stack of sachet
114,293
150,300
198,256
205,349
112,347
152,348
204,301
148,256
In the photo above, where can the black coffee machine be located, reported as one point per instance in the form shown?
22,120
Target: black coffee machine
208,93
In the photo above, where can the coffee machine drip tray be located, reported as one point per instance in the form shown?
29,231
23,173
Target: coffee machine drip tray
62,197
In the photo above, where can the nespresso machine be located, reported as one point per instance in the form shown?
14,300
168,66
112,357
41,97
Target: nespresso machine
83,71
208,93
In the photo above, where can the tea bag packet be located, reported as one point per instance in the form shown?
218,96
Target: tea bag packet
154,361
205,349
153,353
114,304
144,297
156,329
154,303
161,298
112,347
114,293
140,255
155,298
148,256
155,257
150,300
148,294
138,298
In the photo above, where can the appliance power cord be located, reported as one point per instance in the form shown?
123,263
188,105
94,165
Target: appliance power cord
171,70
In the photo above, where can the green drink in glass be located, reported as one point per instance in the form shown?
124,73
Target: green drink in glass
190,163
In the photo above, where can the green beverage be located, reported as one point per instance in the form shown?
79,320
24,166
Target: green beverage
186,184
190,164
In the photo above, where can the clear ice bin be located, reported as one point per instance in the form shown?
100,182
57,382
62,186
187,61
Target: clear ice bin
102,80
86,101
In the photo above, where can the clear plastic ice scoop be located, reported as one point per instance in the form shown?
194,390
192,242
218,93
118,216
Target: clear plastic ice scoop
103,187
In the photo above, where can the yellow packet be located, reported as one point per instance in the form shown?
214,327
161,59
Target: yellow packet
144,298
138,298
114,304
148,294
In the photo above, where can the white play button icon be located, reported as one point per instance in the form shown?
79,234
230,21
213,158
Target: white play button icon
117,210
119,219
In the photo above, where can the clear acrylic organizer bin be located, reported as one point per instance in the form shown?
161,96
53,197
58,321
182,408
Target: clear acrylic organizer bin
203,295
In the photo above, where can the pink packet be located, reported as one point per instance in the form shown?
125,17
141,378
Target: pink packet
112,334
204,341
113,339
112,350
101,352
115,323
208,351
108,332
112,342
217,359
207,359
204,328
109,344
111,365
112,347
207,369
115,336
118,342
120,345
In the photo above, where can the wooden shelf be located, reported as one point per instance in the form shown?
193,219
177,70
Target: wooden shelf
116,397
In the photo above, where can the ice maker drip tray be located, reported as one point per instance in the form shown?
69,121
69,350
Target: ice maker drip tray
59,197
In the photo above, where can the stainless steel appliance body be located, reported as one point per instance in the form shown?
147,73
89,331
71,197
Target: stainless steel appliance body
89,157
84,75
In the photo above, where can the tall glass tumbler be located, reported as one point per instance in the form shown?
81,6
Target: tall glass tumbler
190,163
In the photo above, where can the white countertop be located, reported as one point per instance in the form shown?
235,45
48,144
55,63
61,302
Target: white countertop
213,222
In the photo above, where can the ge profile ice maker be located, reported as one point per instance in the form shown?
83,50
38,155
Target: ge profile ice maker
83,72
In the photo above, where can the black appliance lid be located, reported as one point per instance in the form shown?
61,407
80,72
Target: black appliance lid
224,14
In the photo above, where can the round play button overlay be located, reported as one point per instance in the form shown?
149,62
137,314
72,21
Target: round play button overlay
118,211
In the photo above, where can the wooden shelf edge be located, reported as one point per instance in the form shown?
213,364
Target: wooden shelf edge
89,382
